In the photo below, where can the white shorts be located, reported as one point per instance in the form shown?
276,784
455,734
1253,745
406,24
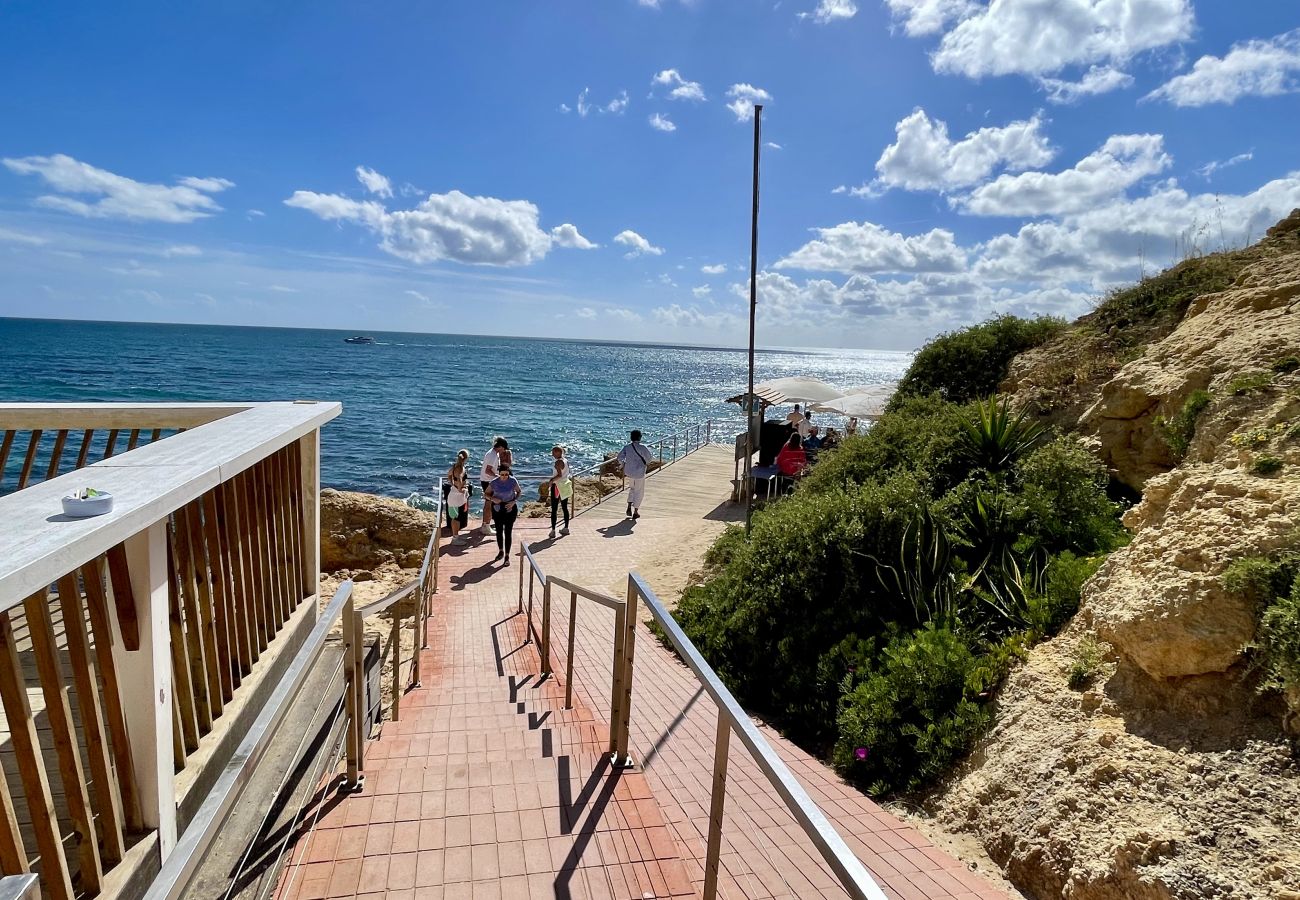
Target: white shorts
636,491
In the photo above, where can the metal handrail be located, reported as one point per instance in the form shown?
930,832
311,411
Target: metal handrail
529,566
193,846
20,887
852,874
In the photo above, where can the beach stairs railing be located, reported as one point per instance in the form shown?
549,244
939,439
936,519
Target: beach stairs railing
138,648
849,872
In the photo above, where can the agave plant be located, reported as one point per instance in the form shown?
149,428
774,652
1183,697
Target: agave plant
923,571
997,437
1001,577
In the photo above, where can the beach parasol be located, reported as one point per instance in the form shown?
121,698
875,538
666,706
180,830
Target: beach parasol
867,404
799,389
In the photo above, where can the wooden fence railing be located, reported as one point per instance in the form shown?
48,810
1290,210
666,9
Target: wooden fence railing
130,642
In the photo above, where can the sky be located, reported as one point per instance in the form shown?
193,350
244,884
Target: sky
583,169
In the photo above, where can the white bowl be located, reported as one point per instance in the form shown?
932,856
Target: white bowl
90,506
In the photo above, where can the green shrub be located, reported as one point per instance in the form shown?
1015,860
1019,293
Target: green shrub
1179,430
1278,639
1063,500
1250,383
919,435
1285,365
1265,465
1258,578
914,713
1062,586
1088,657
803,581
962,365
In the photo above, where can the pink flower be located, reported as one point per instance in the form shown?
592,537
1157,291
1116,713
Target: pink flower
860,753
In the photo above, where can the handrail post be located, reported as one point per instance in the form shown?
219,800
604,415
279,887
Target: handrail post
616,691
528,623
708,431
522,561
568,672
417,620
147,672
397,662
716,803
629,657
354,669
674,448
546,628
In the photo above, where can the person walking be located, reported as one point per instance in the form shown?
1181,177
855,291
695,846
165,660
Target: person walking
635,460
457,497
559,488
503,492
491,460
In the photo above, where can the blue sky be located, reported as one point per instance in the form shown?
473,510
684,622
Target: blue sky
578,169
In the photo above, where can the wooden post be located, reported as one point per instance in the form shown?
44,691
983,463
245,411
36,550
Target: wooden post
546,629
309,476
629,658
716,804
145,675
568,671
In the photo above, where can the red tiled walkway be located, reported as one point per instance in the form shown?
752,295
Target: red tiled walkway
488,787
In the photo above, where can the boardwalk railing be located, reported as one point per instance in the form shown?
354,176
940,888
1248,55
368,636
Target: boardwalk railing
667,450
176,610
851,875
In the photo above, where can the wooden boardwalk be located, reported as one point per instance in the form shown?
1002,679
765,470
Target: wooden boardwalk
489,788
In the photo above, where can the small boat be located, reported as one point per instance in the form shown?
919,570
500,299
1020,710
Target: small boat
359,339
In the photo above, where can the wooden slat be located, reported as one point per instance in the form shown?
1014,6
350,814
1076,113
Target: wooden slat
29,459
207,614
111,443
157,433
92,576
133,439
241,620
178,743
293,476
58,708
279,509
56,455
182,682
219,569
6,443
13,855
253,560
128,622
193,622
103,780
267,565
56,881
87,437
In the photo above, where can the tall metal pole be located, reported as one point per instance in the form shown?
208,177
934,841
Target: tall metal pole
753,306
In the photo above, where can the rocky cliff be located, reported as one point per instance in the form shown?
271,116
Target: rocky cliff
1134,756
363,532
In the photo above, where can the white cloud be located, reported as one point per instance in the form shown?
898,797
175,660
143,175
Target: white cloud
133,267
619,312
570,238
1032,37
119,197
923,157
18,237
1110,242
374,182
921,17
702,292
417,295
1207,171
282,289
1123,161
717,269
1097,80
660,122
772,145
585,107
832,11
743,97
637,245
864,247
453,226
680,88
585,312
182,250
617,105
1258,68
676,316
255,214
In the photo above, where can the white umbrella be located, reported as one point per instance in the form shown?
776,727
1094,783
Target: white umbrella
800,389
859,406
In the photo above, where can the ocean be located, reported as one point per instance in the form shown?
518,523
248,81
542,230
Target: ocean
410,401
